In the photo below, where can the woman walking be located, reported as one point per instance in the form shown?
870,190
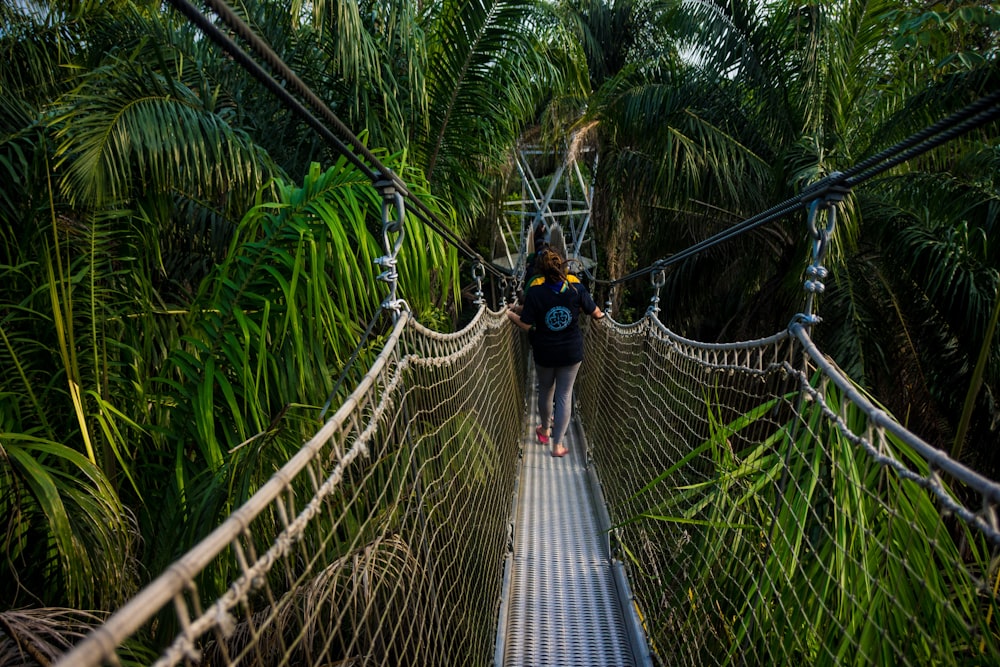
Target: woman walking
553,302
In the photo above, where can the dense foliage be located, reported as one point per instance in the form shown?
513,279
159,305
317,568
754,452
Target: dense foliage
738,107
186,268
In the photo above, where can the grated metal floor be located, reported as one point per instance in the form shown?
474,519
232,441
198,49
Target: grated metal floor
563,605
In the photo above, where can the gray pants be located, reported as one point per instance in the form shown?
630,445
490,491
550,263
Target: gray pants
556,385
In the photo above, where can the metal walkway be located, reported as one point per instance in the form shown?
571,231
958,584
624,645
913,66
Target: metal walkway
567,602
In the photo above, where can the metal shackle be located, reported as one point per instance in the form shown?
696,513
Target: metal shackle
478,273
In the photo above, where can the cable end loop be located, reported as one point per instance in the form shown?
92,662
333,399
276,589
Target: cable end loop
395,306
804,320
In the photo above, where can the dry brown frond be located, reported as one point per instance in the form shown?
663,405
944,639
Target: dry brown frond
363,604
581,138
39,636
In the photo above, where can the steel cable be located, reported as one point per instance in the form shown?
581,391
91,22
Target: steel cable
370,166
976,114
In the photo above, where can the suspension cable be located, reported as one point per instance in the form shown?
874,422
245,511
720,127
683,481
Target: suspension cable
974,115
770,215
370,166
264,51
979,113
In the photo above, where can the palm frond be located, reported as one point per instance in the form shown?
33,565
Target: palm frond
126,128
71,528
42,635
484,75
272,326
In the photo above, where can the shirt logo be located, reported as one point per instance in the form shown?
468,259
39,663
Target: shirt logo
558,318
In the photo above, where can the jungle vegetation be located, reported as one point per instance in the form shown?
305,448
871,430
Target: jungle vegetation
185,268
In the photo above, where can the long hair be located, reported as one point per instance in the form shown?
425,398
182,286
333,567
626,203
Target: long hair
551,265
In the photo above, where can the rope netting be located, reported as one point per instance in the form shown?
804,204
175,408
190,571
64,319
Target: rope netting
769,513
382,542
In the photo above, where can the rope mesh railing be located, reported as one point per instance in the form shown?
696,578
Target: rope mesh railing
382,542
768,513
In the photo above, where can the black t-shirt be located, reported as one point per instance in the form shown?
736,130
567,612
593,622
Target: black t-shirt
554,310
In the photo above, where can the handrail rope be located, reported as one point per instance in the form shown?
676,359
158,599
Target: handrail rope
657,325
976,114
989,489
128,619
374,169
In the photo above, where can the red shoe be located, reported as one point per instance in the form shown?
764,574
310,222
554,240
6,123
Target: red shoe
542,438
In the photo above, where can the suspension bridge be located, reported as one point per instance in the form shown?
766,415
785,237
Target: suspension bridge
754,501
722,504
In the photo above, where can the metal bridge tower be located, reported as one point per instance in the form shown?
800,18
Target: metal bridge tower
556,197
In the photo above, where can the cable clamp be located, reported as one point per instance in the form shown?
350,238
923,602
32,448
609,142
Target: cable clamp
395,306
804,320
390,274
815,273
830,189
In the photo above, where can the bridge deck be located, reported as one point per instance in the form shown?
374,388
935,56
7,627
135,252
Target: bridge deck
564,604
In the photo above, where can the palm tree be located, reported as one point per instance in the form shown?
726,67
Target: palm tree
765,100
665,133
452,82
156,241
131,183
490,66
